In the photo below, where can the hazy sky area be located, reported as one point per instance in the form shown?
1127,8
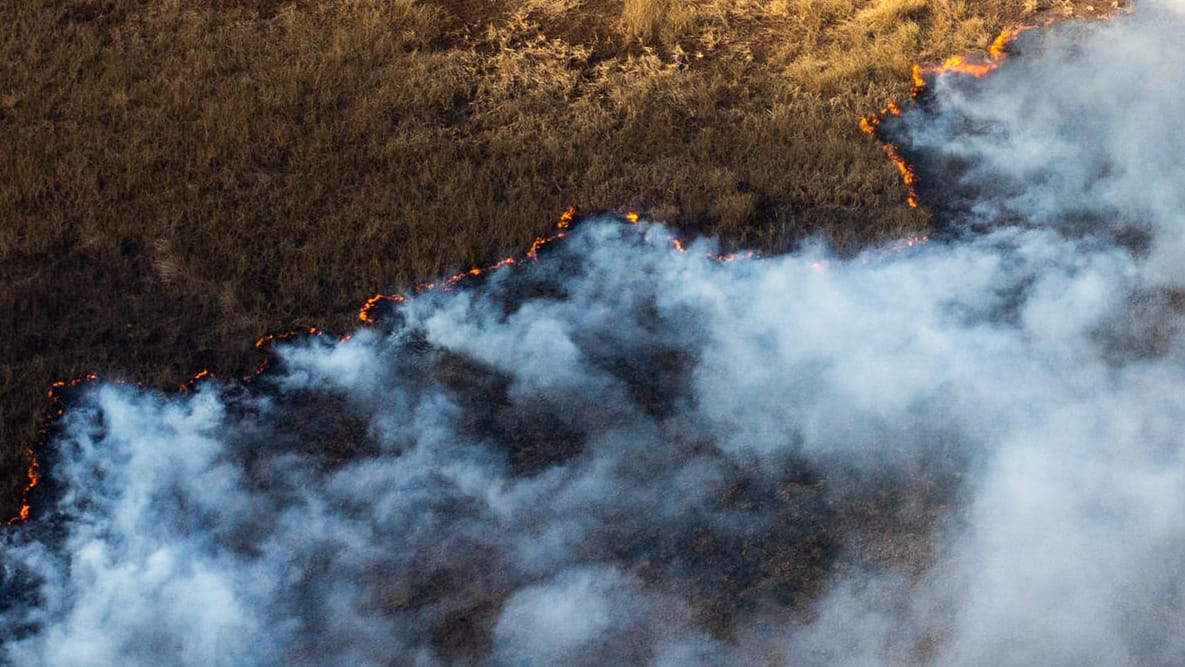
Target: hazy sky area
619,454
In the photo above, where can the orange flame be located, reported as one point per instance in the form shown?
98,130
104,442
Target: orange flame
264,340
732,257
869,123
57,409
997,53
365,313
372,302
33,477
918,81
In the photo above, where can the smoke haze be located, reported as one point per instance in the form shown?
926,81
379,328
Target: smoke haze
967,451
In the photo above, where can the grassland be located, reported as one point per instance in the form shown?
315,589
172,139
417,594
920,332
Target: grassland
179,176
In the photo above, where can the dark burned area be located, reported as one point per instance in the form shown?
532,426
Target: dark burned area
802,528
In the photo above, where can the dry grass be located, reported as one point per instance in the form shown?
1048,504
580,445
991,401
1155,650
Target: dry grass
178,177
650,20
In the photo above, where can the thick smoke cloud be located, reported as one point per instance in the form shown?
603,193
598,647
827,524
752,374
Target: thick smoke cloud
963,452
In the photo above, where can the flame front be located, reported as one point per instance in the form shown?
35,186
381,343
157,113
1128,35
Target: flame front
33,472
922,76
997,53
565,221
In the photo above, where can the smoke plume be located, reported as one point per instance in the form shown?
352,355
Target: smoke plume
967,451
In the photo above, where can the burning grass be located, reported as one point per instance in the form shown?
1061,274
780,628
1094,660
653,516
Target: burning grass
179,177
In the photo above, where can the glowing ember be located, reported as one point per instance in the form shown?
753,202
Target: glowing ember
185,386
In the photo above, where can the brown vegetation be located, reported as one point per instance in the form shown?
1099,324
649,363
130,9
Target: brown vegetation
178,177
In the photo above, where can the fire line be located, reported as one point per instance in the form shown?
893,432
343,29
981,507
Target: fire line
922,77
264,343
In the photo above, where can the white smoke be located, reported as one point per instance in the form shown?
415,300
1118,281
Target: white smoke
966,452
